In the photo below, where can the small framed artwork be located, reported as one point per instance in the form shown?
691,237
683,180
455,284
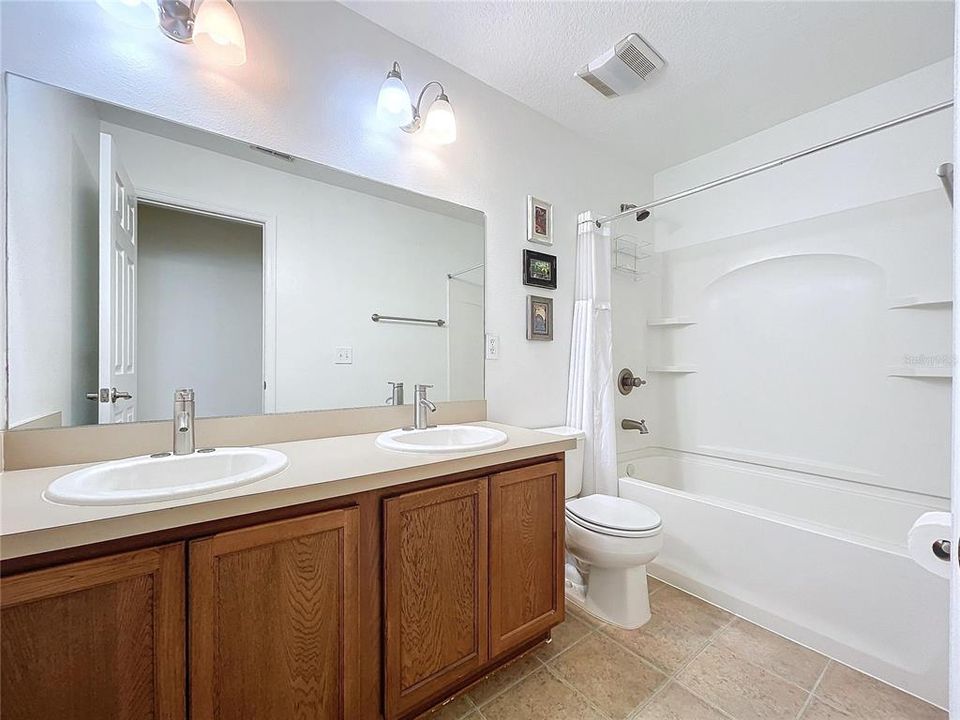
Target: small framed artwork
539,318
539,221
539,269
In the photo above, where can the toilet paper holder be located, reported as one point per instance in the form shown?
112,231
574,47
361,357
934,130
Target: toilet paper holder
942,549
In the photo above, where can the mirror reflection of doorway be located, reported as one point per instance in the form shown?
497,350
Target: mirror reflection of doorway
199,312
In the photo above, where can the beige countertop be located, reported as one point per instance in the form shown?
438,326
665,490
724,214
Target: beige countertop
318,470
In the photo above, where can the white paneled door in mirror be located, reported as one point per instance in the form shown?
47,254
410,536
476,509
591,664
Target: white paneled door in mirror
145,256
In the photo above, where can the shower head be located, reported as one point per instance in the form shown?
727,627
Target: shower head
641,215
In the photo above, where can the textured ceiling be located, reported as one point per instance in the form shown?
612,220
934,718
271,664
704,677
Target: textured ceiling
733,68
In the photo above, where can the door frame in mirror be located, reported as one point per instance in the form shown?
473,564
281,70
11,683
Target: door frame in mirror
268,224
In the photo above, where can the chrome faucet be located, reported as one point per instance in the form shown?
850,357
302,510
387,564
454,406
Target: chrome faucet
396,393
628,424
420,407
183,438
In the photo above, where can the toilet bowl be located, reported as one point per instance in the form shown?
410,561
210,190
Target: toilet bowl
609,542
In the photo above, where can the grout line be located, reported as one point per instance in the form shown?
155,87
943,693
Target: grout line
512,685
810,697
563,681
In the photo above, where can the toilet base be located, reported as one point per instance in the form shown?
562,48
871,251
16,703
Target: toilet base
618,596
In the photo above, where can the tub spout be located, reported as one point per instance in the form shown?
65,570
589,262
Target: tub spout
639,426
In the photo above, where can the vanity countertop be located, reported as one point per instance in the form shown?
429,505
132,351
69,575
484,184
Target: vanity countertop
318,470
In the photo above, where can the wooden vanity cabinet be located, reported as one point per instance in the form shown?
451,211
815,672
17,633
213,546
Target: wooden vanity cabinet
526,554
274,620
435,591
473,572
260,616
95,640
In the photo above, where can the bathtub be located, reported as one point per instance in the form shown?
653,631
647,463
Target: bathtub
820,561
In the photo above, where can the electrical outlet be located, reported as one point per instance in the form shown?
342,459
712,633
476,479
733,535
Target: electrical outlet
344,356
493,347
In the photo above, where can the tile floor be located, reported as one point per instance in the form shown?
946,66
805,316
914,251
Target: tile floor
692,661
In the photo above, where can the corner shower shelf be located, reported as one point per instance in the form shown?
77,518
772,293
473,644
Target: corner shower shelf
920,372
668,322
677,369
915,302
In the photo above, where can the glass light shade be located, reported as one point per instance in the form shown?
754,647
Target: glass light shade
218,33
440,125
137,13
393,102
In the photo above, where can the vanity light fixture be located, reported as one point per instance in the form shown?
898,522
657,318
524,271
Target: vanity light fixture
394,107
213,25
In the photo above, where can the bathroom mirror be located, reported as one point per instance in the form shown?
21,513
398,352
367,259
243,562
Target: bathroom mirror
144,256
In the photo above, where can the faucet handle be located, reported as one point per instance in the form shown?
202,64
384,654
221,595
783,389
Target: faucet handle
183,395
422,387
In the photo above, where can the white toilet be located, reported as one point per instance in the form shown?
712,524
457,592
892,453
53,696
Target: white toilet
609,542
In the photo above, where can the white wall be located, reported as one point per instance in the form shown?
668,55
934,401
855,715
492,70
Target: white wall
341,256
790,275
309,88
199,313
53,196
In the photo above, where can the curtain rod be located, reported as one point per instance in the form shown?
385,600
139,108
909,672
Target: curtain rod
776,163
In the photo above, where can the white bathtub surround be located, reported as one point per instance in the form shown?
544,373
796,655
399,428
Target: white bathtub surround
590,395
821,561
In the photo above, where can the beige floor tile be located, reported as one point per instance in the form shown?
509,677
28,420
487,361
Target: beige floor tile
456,709
583,615
777,654
863,698
665,644
497,682
613,679
540,697
741,689
653,584
678,703
819,710
564,635
693,613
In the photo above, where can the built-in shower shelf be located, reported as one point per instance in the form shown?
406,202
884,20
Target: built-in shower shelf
919,303
668,322
920,372
676,369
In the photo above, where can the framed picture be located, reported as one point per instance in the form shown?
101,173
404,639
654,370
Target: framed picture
539,318
539,221
539,269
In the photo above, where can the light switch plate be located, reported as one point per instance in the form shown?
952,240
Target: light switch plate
344,356
493,347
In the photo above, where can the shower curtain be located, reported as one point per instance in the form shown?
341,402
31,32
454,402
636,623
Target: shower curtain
590,388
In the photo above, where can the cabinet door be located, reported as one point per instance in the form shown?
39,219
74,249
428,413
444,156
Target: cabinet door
526,554
435,589
274,620
101,639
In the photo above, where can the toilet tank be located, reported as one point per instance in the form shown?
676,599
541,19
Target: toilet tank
573,462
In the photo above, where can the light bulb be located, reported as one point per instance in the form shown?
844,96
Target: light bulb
393,102
137,13
218,33
440,125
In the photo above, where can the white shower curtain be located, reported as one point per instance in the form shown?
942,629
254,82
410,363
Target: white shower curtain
590,387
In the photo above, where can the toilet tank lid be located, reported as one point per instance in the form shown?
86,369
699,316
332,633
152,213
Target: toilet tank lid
564,430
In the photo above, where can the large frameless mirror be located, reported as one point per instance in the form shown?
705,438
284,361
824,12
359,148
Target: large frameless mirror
145,256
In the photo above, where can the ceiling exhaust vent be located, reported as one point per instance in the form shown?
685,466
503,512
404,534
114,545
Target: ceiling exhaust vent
622,68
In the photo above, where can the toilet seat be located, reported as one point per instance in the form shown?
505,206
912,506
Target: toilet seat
613,516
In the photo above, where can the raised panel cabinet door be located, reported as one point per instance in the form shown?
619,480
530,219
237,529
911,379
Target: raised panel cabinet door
526,554
95,640
435,590
274,621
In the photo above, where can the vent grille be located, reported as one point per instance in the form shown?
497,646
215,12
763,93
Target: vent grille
596,83
273,153
636,60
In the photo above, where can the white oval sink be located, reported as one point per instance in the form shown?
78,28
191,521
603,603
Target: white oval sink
152,479
442,439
